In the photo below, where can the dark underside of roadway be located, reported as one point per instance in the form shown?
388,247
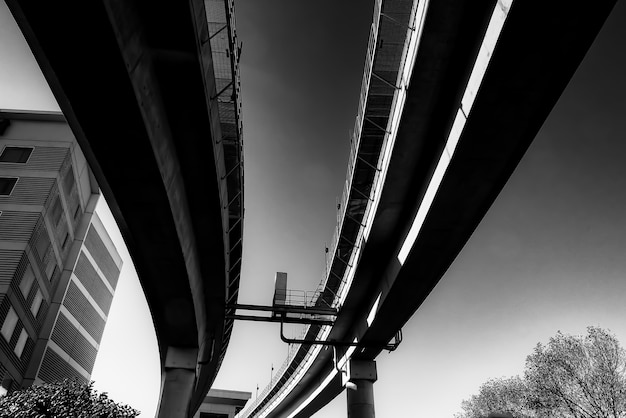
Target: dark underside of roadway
539,50
128,78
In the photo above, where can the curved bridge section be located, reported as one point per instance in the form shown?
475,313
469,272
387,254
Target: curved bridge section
151,91
454,92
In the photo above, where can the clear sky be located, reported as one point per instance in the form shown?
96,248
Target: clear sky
550,254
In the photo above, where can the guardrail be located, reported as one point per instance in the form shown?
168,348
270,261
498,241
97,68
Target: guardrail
228,148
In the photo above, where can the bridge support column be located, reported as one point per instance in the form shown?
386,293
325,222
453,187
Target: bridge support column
177,382
360,377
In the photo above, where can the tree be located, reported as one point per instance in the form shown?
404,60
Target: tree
66,399
570,377
499,396
579,377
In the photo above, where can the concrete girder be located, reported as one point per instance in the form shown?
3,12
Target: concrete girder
134,79
528,71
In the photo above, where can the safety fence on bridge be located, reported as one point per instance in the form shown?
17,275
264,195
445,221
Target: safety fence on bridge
228,145
391,51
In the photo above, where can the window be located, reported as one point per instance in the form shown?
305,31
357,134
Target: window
7,384
56,211
42,245
8,326
77,210
34,307
68,182
51,267
65,240
6,185
21,342
27,281
15,154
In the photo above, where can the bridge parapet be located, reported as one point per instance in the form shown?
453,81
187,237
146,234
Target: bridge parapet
225,105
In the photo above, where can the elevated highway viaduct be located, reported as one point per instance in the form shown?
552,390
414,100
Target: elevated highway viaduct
151,92
468,88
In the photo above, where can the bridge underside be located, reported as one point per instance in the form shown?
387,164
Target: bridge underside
134,87
539,49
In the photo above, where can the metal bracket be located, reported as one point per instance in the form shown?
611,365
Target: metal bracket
233,200
396,22
222,91
234,264
336,361
343,261
367,163
235,245
232,170
348,241
221,29
354,219
376,125
234,225
385,81
362,194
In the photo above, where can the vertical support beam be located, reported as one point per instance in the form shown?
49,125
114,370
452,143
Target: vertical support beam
361,399
360,378
177,382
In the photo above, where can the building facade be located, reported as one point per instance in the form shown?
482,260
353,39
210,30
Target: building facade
58,266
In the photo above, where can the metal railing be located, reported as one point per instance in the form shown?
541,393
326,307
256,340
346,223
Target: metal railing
228,146
354,138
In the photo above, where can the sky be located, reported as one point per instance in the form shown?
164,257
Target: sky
549,255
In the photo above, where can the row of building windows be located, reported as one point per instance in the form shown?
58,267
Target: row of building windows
9,154
8,327
19,155
46,255
10,322
27,282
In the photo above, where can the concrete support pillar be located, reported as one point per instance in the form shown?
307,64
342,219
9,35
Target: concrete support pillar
177,382
361,399
359,381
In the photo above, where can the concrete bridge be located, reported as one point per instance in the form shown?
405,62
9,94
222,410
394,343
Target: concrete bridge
151,92
453,94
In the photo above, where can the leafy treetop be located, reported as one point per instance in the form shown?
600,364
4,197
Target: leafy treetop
570,377
65,399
